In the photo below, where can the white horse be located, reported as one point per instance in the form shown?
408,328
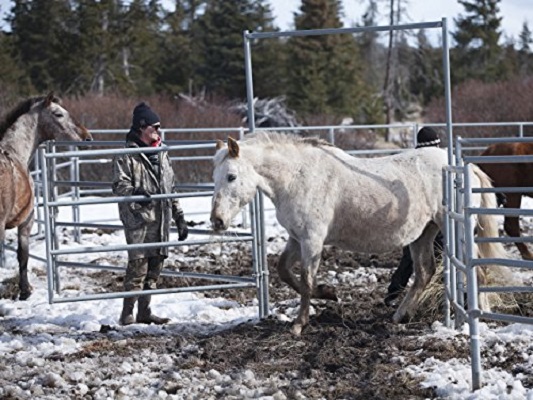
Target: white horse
324,196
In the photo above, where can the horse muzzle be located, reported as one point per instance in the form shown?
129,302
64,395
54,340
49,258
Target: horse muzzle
218,224
84,133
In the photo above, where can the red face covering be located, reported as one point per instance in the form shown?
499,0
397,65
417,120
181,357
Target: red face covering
156,143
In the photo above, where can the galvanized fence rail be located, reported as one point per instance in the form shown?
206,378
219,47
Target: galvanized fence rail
51,201
461,262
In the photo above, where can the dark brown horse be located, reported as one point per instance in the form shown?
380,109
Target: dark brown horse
511,175
24,128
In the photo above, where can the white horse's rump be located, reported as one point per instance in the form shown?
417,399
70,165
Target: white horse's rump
323,196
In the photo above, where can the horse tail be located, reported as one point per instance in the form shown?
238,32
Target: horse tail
487,225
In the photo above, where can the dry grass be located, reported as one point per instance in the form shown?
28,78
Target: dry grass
431,303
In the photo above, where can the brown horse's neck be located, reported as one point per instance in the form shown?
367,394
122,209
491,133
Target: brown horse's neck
21,139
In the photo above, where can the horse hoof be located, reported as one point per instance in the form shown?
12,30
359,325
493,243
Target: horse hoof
24,295
400,319
326,292
397,318
297,330
390,298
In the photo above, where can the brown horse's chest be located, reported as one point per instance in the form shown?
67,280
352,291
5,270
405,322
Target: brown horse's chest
16,192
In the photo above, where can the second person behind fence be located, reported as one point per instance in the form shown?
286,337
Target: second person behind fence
146,221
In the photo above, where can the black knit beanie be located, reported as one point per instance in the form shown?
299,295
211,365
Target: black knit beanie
143,116
427,137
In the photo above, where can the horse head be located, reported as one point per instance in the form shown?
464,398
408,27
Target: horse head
236,183
56,123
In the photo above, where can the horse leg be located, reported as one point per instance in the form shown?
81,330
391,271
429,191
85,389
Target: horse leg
400,277
512,227
424,266
310,263
23,251
291,254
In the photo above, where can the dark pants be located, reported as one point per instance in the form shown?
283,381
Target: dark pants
401,276
143,273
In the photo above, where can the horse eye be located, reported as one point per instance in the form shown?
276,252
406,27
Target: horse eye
58,115
231,177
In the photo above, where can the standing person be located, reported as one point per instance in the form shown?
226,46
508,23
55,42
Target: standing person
146,221
426,137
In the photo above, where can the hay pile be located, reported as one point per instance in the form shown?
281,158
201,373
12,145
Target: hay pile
431,304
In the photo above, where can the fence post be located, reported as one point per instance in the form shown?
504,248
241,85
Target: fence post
447,248
331,135
246,210
37,189
459,233
75,194
263,281
47,226
255,250
472,287
51,177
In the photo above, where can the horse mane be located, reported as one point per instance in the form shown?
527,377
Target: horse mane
272,137
20,109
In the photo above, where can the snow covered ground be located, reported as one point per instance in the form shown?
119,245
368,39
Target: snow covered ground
36,338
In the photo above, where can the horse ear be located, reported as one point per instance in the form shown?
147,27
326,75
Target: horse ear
49,99
233,147
219,145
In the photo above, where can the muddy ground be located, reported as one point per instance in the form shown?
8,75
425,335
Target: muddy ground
350,350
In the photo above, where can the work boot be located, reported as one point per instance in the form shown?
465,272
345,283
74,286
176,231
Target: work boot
126,318
144,314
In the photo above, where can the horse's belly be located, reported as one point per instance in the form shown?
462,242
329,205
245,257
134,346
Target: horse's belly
377,236
369,244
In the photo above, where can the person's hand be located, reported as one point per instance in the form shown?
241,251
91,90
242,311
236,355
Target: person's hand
181,224
140,191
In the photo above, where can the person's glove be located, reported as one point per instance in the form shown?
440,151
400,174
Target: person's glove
181,224
140,191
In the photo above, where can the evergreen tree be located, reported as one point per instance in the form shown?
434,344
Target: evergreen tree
370,49
268,57
97,46
478,53
14,82
141,43
426,79
325,77
525,39
177,54
42,33
524,50
218,38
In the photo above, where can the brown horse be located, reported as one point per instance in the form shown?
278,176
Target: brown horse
511,175
24,128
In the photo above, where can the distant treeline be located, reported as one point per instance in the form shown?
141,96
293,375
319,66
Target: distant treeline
138,49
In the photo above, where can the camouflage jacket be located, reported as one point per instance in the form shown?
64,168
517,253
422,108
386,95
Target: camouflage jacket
145,222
